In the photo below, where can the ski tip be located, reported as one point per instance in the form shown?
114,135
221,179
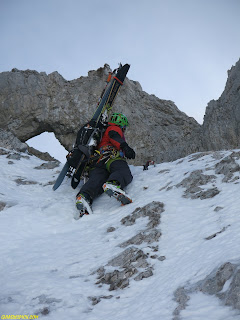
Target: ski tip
126,67
54,188
122,72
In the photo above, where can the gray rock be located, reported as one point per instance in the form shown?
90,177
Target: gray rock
221,121
162,258
215,234
49,183
196,179
118,279
227,167
2,205
48,165
45,156
17,156
145,274
32,103
49,301
181,297
42,299
210,193
45,311
215,281
148,236
152,210
198,156
14,156
192,185
4,152
96,300
8,140
233,294
213,284
100,271
218,208
128,257
129,261
22,181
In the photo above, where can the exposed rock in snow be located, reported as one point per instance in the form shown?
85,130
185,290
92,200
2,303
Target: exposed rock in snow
9,140
132,258
152,211
223,282
193,182
228,166
41,155
2,205
48,165
21,181
163,256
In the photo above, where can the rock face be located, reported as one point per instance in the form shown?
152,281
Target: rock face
221,127
213,284
32,103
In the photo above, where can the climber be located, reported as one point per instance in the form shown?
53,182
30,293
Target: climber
111,173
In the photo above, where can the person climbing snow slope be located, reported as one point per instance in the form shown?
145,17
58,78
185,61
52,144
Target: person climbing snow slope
111,173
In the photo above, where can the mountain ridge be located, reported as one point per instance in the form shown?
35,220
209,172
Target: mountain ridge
32,103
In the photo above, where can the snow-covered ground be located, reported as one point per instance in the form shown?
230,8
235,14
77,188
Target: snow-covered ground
49,260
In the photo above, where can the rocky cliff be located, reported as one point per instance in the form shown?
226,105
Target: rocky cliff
32,103
221,127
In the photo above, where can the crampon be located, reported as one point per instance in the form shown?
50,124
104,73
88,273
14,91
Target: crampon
114,191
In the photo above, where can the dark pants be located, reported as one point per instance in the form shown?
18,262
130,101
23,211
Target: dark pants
119,171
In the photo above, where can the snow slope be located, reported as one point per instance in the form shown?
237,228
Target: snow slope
49,260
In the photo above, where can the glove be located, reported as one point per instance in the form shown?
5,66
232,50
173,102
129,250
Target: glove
129,152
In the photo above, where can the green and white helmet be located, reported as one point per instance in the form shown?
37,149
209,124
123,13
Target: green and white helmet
119,119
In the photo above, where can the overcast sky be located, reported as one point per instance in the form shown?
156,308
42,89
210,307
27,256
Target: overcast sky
178,49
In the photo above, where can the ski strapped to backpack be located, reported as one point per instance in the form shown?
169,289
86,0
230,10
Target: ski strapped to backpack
91,133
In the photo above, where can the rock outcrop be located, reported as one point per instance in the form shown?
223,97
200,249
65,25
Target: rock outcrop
133,262
221,127
32,103
213,284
